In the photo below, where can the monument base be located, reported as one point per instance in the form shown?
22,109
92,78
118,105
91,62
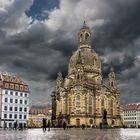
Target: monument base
104,123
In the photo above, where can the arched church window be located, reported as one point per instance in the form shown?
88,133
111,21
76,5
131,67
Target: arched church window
94,62
90,104
81,37
111,102
69,105
112,84
102,102
111,106
78,76
102,105
87,36
78,109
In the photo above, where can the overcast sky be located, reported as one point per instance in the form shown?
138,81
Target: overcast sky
37,38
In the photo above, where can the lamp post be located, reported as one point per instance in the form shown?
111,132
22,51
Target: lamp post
53,117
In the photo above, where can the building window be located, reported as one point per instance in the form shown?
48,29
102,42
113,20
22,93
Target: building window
11,100
10,116
20,116
94,62
102,105
111,106
90,104
12,86
6,100
16,101
16,87
112,84
25,102
26,88
69,105
20,101
6,92
20,109
25,94
21,94
11,93
15,108
10,108
15,116
25,117
25,109
78,109
21,87
16,93
6,85
5,107
5,116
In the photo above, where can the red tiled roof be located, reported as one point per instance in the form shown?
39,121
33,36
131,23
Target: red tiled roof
132,106
7,77
36,111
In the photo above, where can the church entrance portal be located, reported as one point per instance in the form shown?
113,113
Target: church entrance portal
78,122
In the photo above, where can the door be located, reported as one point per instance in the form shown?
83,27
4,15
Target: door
78,122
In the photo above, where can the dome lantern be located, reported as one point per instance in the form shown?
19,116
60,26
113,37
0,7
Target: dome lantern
84,36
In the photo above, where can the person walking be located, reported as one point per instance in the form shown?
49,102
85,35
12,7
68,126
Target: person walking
15,125
49,125
100,125
64,125
44,124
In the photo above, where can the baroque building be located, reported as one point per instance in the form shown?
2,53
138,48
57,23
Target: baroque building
14,101
82,97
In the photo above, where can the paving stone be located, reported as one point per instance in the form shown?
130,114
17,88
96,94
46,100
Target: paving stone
71,134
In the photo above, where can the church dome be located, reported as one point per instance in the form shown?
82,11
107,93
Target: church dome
85,56
88,59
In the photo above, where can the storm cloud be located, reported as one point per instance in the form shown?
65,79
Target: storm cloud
38,49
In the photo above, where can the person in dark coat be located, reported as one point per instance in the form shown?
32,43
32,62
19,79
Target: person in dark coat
100,125
49,125
44,124
21,126
15,125
64,125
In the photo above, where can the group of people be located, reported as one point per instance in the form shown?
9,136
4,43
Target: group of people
46,124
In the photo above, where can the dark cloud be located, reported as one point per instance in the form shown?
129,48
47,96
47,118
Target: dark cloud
38,51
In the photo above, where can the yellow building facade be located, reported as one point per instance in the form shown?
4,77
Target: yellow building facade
82,96
36,115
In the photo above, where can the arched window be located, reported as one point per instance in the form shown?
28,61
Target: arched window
78,109
94,61
87,37
111,106
102,102
112,84
81,37
102,105
69,105
90,104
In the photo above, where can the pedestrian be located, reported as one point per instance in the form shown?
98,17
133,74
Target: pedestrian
20,126
49,125
44,124
83,126
64,125
15,125
100,125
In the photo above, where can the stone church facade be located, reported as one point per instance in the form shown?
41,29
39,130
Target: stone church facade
82,96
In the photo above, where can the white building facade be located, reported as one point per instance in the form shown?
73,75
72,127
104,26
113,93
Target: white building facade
131,115
14,101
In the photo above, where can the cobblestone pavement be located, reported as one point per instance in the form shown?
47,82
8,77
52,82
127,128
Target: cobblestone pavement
71,134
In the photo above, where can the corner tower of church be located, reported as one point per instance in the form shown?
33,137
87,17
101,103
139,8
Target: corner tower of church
82,98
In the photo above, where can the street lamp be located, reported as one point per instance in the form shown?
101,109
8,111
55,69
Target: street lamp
53,117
